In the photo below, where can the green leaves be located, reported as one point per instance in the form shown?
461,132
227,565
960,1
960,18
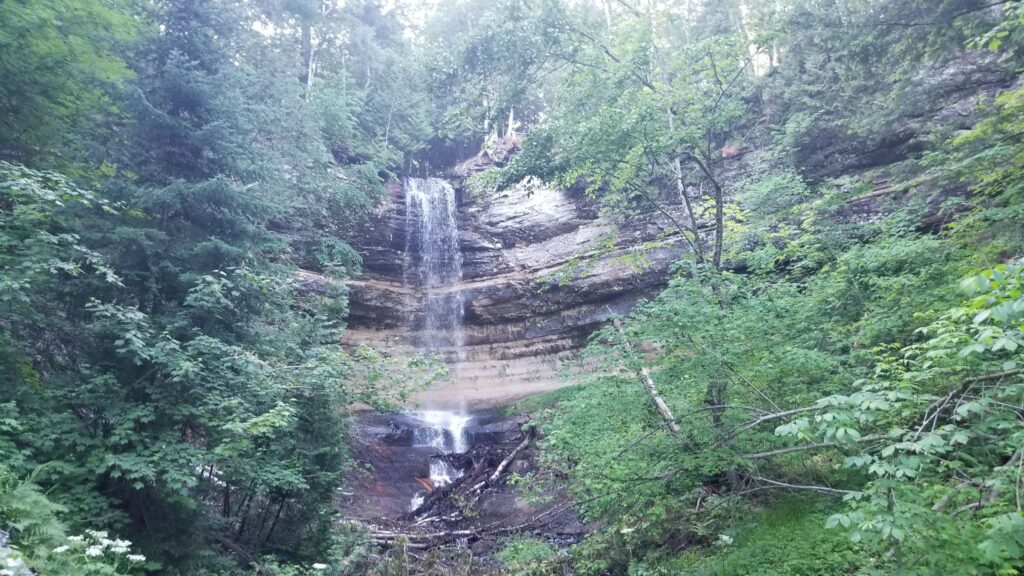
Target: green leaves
149,330
1004,540
62,59
37,248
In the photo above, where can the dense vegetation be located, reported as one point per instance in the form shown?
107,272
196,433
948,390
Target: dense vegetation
846,329
164,374
839,349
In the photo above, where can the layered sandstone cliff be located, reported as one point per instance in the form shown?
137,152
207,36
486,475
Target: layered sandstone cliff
541,269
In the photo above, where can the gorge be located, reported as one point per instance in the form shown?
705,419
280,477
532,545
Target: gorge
524,287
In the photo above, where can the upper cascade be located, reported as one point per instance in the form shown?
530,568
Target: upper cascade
433,263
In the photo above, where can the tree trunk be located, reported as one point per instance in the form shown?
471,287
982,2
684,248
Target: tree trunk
263,521
226,507
307,55
677,168
648,382
715,399
277,517
716,258
716,189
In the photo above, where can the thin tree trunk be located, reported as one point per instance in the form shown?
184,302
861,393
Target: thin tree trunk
226,507
716,188
263,521
716,258
715,400
657,59
276,517
677,168
243,511
307,55
648,382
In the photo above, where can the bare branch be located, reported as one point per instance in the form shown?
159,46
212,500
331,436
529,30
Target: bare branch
811,487
645,376
769,417
805,447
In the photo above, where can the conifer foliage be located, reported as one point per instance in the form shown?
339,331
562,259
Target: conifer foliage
166,376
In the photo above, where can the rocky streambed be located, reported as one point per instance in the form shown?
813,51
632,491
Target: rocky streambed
432,479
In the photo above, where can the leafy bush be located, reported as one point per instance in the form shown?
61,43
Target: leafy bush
525,555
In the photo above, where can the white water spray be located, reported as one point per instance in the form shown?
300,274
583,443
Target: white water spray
446,433
434,262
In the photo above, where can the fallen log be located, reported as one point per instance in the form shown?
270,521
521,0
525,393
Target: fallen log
648,382
237,549
422,540
477,478
493,478
434,497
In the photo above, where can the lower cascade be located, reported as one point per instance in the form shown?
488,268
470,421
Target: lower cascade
444,431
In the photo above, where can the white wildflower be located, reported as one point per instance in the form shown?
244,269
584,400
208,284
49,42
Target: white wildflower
76,538
98,534
6,572
61,549
136,558
13,562
725,539
319,566
119,546
94,551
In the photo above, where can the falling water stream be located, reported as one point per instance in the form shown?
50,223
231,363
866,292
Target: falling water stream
443,430
434,267
434,263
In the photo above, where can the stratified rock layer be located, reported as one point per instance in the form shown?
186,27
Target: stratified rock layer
541,271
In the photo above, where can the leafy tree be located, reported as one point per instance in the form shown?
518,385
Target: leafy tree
162,360
62,59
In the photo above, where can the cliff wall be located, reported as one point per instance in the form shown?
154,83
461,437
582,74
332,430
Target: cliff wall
541,270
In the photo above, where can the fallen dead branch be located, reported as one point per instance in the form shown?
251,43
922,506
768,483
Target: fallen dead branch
487,465
493,478
448,514
417,539
648,382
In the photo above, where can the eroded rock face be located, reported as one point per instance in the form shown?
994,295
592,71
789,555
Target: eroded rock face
540,271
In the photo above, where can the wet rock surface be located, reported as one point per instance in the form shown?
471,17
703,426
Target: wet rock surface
392,493
541,268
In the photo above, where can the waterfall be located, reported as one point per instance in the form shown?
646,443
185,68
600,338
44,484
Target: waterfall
434,262
433,266
445,432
